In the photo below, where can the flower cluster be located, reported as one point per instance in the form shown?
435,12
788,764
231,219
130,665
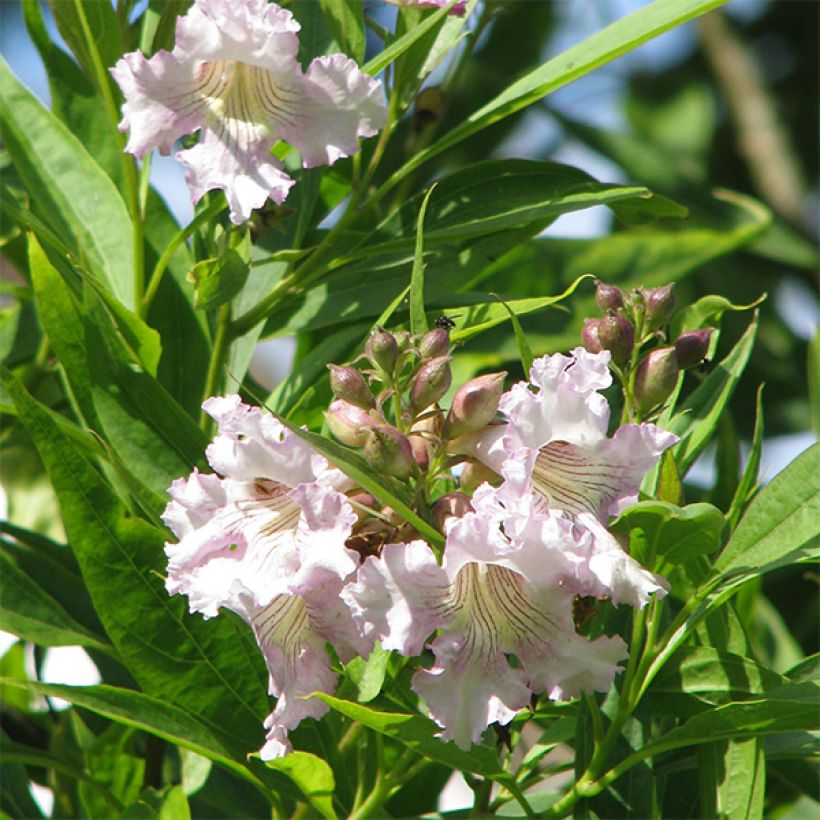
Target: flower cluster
634,331
307,558
234,75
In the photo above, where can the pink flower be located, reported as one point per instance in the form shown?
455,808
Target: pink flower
234,74
489,600
556,459
266,540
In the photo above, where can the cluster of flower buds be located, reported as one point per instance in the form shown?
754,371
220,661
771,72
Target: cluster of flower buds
388,404
634,329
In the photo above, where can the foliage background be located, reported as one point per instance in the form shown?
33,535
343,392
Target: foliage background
669,116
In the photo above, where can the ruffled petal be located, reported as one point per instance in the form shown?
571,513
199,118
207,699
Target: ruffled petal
165,98
565,405
338,104
252,444
235,158
395,596
298,665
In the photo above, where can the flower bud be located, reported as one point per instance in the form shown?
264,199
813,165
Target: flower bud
451,505
660,302
475,404
421,450
348,384
691,347
348,423
655,378
431,382
389,450
608,297
435,342
616,334
590,335
382,350
475,473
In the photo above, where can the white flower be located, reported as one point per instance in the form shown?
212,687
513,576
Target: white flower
234,74
491,600
556,459
267,541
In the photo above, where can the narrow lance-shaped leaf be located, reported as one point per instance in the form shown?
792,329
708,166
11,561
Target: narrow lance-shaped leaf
418,318
615,40
70,190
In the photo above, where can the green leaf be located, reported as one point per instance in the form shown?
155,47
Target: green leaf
672,534
419,734
204,667
524,349
398,47
418,318
313,777
732,778
504,194
168,804
154,715
622,36
670,486
346,19
747,486
713,676
477,318
792,707
103,25
368,675
32,614
780,526
218,280
706,312
71,192
384,488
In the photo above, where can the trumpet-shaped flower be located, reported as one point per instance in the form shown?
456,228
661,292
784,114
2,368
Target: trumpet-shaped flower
504,621
234,74
556,459
266,540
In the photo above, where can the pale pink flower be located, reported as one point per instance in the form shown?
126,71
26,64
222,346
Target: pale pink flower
489,600
556,459
234,74
266,540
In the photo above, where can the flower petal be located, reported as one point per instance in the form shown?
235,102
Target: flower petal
394,597
338,104
165,98
254,444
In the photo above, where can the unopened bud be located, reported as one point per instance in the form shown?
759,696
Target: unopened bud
660,302
435,342
431,382
475,404
421,447
451,505
348,423
475,473
616,334
389,450
608,297
348,384
382,350
691,347
655,378
589,335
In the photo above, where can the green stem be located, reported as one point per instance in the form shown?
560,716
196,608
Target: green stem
129,164
216,206
222,343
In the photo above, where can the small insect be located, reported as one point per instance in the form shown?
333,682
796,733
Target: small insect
705,366
445,323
